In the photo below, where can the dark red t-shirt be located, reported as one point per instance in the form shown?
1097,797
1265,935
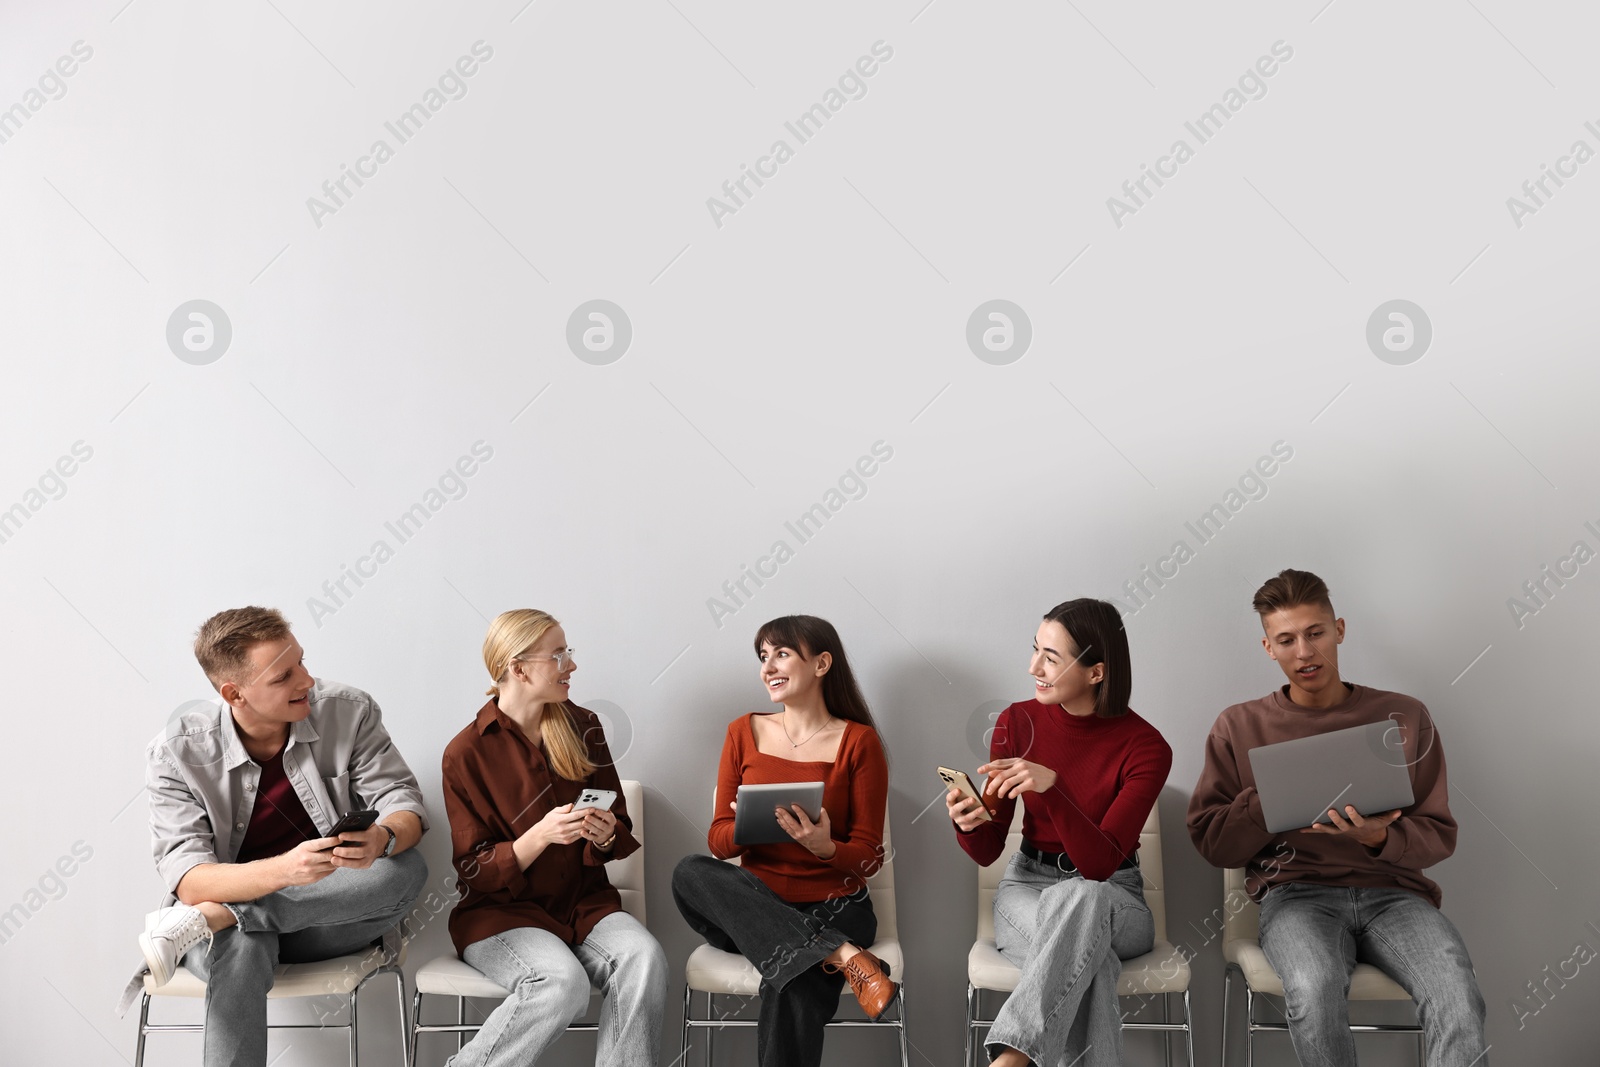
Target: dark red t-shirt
279,821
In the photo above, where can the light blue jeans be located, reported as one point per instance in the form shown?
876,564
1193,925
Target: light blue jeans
1069,935
550,983
340,915
1313,935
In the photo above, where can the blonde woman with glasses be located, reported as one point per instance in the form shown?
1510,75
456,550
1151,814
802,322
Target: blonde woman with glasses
537,914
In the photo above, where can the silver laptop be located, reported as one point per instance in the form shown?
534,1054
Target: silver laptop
1299,780
753,821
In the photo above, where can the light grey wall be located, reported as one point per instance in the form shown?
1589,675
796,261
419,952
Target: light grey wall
373,345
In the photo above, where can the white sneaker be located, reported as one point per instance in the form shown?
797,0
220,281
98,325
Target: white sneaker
168,934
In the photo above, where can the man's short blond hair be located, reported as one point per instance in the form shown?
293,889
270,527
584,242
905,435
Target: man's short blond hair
223,642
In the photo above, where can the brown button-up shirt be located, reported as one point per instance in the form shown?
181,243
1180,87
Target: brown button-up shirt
497,784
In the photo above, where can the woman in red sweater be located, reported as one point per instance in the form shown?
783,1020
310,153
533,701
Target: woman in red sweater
1071,906
799,910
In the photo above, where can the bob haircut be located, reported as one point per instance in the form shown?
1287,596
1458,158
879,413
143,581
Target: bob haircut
1095,627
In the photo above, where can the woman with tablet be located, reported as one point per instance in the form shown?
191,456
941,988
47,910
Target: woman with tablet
1071,905
797,909
526,786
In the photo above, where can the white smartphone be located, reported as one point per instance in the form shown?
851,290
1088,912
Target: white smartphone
595,798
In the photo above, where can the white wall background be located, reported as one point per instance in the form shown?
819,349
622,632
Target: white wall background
1168,353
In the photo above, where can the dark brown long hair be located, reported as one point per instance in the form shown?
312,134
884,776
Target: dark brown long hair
811,636
1095,627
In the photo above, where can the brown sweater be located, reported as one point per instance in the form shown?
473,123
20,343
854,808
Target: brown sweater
497,783
854,791
1225,817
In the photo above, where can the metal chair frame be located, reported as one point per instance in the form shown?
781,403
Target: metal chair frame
1238,928
710,1024
1150,838
461,1028
976,1021
1253,1027
146,1027
633,793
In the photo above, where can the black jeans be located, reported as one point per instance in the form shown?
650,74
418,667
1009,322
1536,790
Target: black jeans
736,912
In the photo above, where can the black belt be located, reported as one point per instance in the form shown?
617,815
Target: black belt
1062,862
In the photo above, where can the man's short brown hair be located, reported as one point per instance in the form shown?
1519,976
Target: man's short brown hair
223,642
1291,589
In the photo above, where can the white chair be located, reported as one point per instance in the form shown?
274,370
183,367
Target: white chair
342,976
712,971
450,976
1163,971
1241,948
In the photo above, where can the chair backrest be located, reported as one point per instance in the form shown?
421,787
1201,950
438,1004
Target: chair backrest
1155,886
880,885
1241,916
627,875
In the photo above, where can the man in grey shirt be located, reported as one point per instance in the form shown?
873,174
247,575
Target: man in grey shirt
242,799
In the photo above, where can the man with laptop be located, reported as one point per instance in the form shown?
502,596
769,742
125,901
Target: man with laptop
1358,796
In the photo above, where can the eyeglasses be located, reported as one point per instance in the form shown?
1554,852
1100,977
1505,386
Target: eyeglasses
563,658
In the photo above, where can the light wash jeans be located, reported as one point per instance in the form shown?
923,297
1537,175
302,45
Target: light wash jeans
1313,935
337,916
550,983
1069,935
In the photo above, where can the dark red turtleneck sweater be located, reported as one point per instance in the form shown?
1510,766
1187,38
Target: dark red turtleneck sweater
1109,773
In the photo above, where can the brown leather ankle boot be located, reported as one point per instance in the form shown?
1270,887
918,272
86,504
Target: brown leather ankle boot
869,981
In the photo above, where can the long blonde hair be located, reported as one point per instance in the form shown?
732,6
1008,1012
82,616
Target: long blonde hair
510,635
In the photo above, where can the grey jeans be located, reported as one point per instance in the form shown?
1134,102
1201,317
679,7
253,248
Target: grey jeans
1069,935
550,983
1313,935
339,915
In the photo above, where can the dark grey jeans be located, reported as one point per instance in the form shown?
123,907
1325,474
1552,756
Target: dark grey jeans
342,914
736,912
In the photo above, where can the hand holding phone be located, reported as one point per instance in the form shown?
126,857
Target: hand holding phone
595,798
599,824
352,823
968,796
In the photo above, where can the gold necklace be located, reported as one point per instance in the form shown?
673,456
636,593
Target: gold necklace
793,744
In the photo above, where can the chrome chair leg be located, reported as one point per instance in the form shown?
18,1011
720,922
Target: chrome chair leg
416,1021
1166,1035
1249,1022
1188,1030
144,1018
974,1002
711,1031
1227,997
905,1048
400,1006
683,1047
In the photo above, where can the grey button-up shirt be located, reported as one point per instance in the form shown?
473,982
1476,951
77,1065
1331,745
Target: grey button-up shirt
202,782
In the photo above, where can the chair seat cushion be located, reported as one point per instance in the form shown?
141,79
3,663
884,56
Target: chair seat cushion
339,975
1161,970
451,977
711,970
1366,982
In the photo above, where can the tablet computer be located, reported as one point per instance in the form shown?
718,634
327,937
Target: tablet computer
1299,780
754,822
